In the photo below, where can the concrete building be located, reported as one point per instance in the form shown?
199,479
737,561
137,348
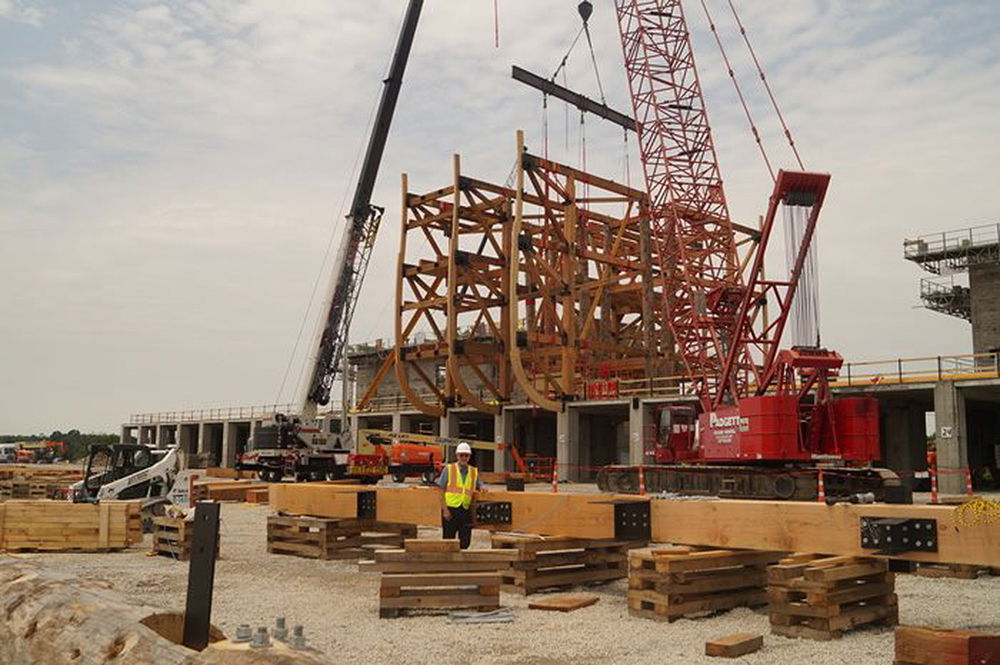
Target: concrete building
218,435
975,252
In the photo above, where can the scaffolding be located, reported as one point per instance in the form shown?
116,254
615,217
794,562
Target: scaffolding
953,252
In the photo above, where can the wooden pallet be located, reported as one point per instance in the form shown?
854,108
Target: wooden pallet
321,538
558,563
62,526
172,538
824,597
666,585
435,575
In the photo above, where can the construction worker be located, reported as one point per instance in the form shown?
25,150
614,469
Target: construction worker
459,483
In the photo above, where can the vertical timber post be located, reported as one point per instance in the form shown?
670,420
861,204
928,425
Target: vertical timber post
201,575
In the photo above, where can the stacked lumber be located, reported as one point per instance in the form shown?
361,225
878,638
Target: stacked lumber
62,526
820,598
172,537
436,575
924,645
548,562
322,538
30,482
221,472
225,490
670,583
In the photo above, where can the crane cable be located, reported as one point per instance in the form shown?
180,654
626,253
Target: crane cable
739,91
333,235
767,86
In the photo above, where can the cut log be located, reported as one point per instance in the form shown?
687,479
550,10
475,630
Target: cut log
57,619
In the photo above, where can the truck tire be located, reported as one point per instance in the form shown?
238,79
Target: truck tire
399,476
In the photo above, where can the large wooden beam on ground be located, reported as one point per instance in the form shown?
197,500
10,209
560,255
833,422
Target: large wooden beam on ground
785,526
922,645
562,514
796,526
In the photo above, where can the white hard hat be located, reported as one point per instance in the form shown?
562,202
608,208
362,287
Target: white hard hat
463,448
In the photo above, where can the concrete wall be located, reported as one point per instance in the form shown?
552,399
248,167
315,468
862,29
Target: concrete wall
984,285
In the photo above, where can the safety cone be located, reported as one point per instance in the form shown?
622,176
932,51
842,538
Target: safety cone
642,480
968,481
934,492
820,489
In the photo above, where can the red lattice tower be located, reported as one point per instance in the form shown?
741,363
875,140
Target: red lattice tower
691,220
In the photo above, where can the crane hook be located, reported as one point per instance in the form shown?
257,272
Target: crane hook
586,9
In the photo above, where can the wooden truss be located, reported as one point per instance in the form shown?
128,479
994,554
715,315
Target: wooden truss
528,294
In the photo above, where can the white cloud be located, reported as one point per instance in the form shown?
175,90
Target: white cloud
172,170
21,12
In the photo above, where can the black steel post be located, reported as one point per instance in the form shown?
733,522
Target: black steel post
201,575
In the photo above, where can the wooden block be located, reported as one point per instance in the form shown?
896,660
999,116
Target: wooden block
924,645
565,602
734,646
440,579
427,545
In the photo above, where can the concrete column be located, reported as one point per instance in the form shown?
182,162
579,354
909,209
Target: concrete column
568,443
397,422
254,424
503,432
202,441
639,418
904,439
228,460
185,437
449,424
128,434
952,439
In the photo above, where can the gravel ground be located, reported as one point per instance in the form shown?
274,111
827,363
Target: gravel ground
338,607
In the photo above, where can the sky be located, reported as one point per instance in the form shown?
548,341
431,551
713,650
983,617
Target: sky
171,174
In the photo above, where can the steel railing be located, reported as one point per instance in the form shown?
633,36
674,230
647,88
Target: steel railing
858,374
198,415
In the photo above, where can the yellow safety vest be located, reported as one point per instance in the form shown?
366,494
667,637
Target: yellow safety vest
457,493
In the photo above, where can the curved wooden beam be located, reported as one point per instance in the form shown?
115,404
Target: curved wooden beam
452,363
402,376
516,362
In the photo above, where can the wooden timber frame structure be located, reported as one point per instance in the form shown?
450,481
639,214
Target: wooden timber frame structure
524,294
786,526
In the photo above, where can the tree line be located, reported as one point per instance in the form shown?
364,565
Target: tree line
77,443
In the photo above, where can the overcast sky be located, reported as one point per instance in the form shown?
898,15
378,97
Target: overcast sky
171,173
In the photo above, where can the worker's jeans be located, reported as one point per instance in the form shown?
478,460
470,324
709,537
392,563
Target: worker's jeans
460,524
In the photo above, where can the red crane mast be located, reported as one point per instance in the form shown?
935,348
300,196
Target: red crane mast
757,404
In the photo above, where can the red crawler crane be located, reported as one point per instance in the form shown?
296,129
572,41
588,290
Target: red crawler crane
766,417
